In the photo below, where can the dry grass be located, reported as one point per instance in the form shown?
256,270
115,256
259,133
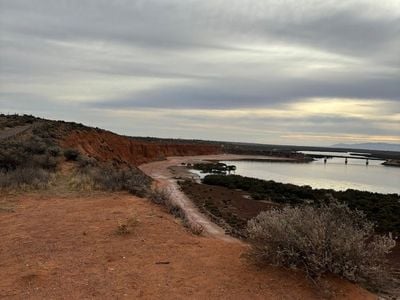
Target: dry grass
81,182
195,228
6,206
93,175
163,197
24,179
127,226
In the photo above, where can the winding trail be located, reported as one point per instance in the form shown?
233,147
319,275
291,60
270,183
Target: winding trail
161,171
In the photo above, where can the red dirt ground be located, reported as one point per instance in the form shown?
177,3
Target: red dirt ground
65,247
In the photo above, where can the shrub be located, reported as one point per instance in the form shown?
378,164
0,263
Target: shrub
195,228
32,152
34,145
328,238
111,178
26,161
45,161
382,209
85,162
54,151
71,154
82,182
162,196
21,177
159,196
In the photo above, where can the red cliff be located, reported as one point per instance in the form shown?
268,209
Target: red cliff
107,146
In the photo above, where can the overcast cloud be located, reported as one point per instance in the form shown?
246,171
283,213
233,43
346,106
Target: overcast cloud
293,72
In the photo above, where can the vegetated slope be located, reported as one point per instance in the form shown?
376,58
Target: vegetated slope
107,146
34,150
101,144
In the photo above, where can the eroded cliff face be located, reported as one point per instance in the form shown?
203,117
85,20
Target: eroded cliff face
107,146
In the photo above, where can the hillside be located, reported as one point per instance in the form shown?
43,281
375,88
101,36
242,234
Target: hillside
98,143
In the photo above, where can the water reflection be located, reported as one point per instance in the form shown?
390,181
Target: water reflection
335,174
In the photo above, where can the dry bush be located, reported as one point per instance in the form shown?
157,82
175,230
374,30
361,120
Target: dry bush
24,177
25,162
329,238
45,161
86,162
30,153
175,210
71,154
82,182
159,195
163,197
195,228
112,178
128,226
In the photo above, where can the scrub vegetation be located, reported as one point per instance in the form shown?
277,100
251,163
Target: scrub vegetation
381,209
348,233
161,196
33,158
330,238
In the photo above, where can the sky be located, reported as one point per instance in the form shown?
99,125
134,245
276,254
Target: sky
276,72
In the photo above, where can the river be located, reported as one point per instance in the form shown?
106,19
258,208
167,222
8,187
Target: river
335,174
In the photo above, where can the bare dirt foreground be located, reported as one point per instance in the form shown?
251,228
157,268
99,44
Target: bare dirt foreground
66,248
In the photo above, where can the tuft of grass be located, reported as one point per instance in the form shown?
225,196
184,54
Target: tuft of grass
128,226
81,182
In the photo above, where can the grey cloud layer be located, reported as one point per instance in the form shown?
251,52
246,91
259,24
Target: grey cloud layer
243,93
199,54
360,27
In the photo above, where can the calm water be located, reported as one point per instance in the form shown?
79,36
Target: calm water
333,175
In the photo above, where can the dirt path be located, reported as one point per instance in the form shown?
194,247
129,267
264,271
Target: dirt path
162,174
6,133
65,247
161,171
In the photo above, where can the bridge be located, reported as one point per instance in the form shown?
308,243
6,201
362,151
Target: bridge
325,157
347,157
